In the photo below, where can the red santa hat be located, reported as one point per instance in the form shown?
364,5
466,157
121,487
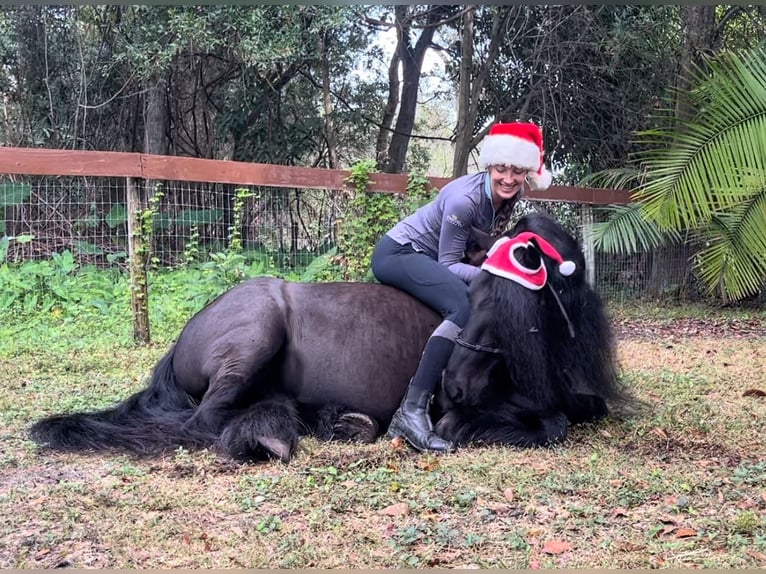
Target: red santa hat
517,144
502,262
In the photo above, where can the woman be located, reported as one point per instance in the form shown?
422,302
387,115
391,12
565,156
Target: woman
421,255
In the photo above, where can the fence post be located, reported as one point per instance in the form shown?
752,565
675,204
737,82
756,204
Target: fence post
587,240
137,250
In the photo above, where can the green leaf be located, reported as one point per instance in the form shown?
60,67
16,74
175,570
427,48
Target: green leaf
715,160
86,248
705,175
14,193
628,231
117,215
189,217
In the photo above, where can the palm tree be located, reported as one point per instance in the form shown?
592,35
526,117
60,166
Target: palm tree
702,178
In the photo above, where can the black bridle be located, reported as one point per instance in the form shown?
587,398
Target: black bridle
476,346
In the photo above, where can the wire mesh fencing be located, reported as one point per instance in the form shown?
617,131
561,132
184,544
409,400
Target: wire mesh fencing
279,230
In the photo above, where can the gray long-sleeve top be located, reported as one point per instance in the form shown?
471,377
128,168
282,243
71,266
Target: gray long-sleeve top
441,229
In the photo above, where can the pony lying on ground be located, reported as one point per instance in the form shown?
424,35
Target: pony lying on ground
270,360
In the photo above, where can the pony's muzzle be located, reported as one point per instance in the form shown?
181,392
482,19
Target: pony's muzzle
452,390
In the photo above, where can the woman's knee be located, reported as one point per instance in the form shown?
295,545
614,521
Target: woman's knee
458,310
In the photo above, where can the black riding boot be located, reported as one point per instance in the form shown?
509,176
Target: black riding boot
412,422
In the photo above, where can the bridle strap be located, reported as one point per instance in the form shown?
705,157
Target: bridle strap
563,311
476,346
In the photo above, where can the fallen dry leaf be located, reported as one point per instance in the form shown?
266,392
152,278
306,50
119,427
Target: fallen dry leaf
685,533
397,443
754,393
664,531
429,464
556,547
508,494
496,506
631,546
619,512
398,509
666,519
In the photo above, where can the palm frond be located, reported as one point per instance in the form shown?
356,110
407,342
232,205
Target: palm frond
628,231
617,178
733,263
698,168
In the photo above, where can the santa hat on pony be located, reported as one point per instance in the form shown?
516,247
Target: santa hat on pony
517,144
504,260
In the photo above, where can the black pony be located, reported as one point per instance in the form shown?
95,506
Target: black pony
271,360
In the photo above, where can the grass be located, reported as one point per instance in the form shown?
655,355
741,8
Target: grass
682,484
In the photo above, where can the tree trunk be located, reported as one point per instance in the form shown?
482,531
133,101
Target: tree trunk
698,25
671,267
139,284
472,87
155,116
412,65
670,273
466,114
329,127
384,134
140,242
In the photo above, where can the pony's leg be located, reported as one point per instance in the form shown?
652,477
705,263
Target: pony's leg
582,408
336,422
223,400
234,383
355,427
266,430
509,428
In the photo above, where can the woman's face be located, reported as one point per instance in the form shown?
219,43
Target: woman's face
505,181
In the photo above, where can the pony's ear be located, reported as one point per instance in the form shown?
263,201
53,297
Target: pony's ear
483,240
478,244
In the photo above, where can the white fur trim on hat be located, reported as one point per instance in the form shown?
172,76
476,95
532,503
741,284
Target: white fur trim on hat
509,150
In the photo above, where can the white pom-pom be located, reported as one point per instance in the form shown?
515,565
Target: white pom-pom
567,268
540,181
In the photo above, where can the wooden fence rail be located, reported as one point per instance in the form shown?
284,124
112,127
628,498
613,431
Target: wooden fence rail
39,161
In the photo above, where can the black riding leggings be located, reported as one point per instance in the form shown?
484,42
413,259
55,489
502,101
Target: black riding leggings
432,283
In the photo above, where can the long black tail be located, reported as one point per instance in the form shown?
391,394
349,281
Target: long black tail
148,422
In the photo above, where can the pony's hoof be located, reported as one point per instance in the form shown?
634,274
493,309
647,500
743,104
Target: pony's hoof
240,444
355,427
276,448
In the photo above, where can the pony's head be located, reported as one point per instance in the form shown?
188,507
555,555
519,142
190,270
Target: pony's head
566,247
517,304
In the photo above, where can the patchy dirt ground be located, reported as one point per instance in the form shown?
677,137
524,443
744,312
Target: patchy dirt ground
636,328
680,484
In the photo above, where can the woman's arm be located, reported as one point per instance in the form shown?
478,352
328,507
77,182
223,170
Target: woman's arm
454,235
